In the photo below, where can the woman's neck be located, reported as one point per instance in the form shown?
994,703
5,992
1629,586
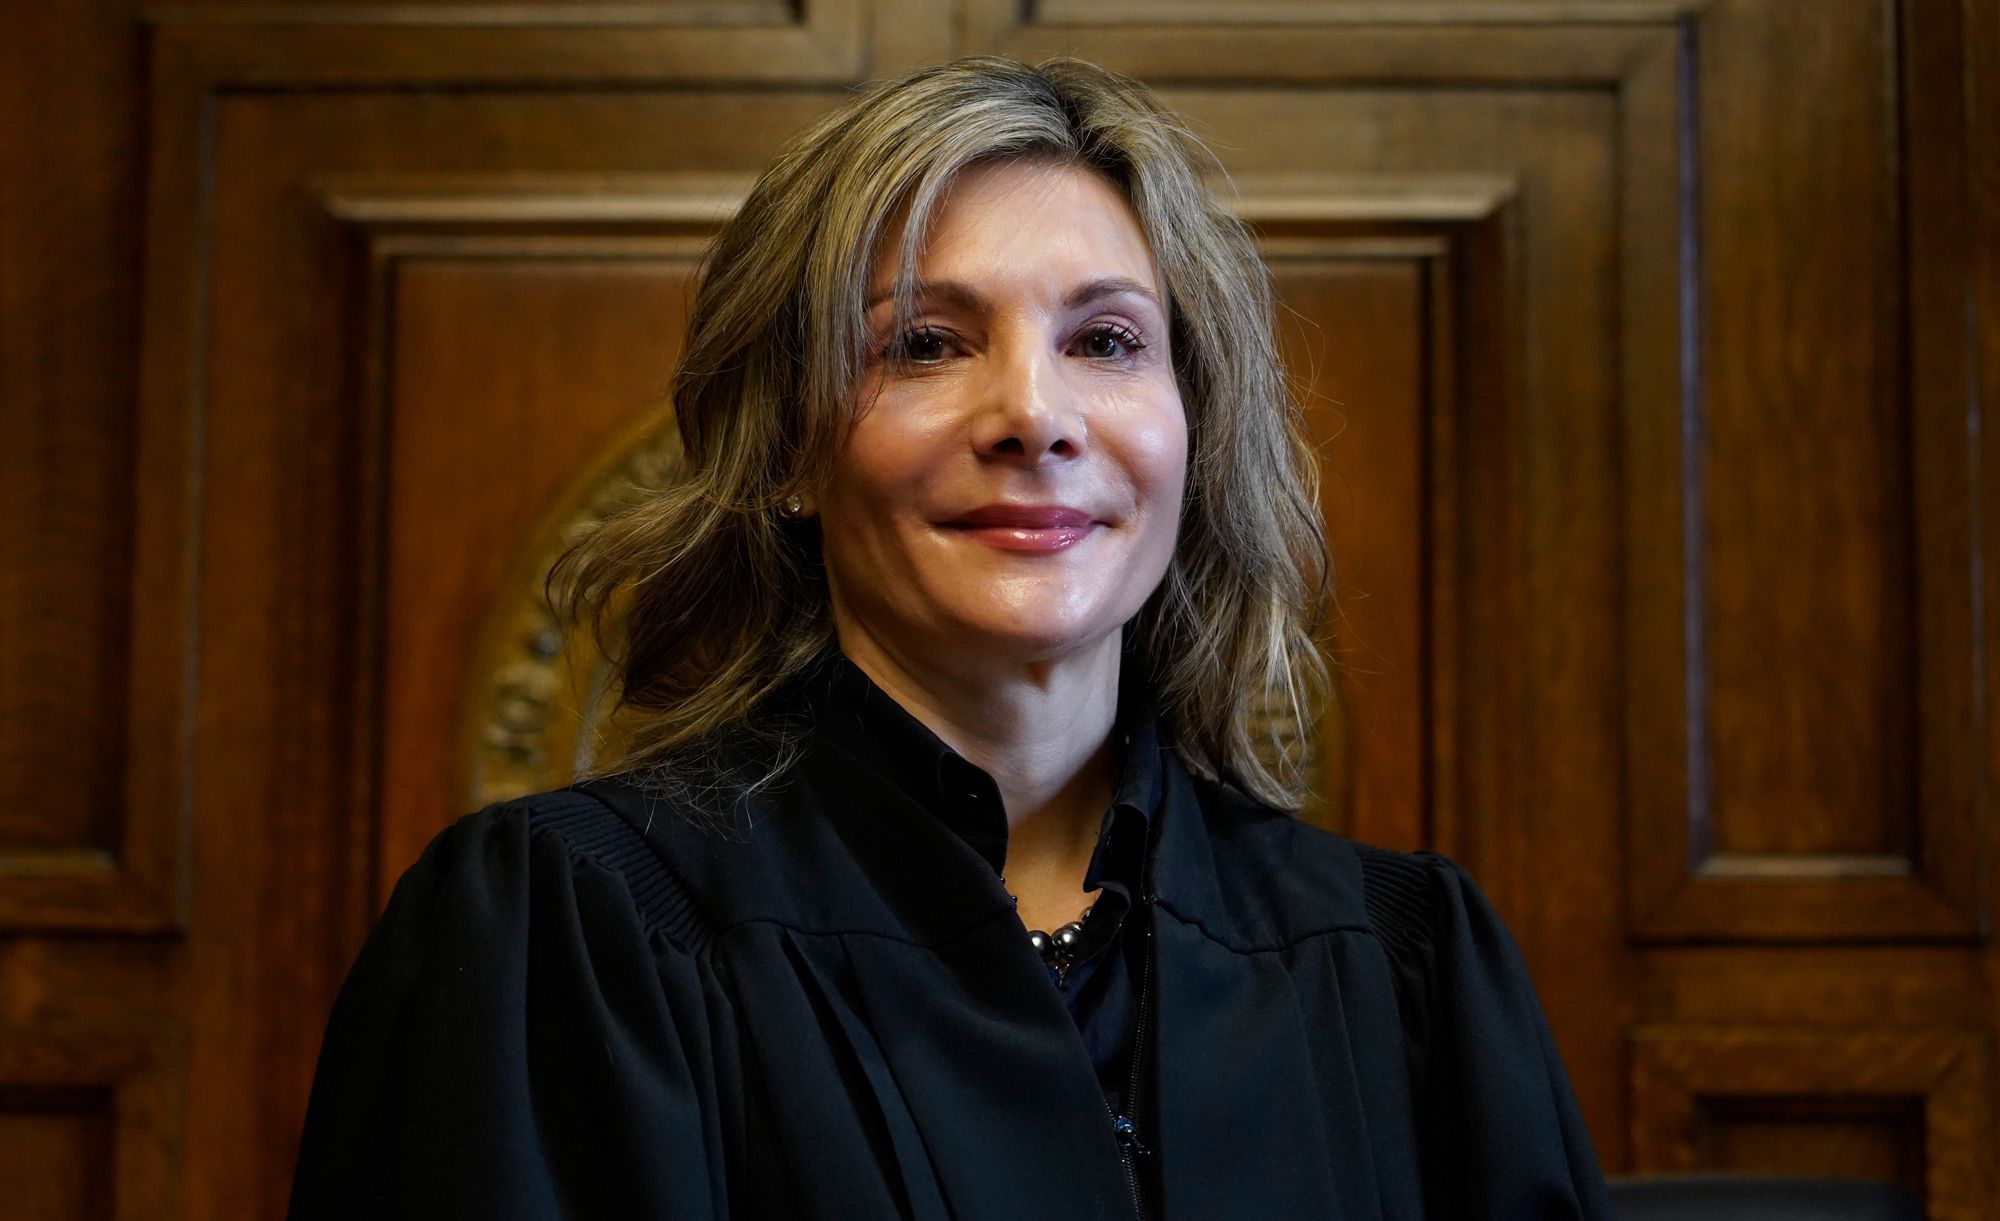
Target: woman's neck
1041,729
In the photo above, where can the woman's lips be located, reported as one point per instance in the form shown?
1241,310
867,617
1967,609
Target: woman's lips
1030,528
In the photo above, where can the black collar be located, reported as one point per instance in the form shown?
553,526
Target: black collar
794,852
850,711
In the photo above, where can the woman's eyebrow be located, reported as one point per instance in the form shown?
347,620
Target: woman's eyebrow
1107,286
959,294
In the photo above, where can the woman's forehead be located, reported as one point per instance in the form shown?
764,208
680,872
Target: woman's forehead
1040,219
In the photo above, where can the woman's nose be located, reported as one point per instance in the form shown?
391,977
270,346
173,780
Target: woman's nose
1029,415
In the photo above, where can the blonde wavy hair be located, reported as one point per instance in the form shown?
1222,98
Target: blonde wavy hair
705,600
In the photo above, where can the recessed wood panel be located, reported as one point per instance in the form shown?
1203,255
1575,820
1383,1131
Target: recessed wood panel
1880,1140
1371,325
1355,332
56,1153
1807,601
89,1122
509,374
1775,1100
1807,739
70,247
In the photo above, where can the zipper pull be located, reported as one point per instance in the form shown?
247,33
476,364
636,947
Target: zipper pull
1128,1134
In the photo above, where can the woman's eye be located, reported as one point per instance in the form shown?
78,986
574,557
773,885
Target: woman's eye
1108,341
922,346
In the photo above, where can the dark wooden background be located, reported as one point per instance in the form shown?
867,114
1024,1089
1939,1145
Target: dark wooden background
1649,341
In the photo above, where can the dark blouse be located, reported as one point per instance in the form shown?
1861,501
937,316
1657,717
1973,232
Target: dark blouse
583,1004
852,713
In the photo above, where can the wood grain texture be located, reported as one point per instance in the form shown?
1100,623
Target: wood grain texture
66,379
1459,13
607,338
312,47
1803,755
1367,50
75,850
92,1116
1379,277
1688,1082
1806,733
1880,1140
1358,344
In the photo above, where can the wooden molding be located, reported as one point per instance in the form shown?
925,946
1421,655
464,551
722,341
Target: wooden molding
1291,200
568,203
1588,45
736,13
298,48
1359,12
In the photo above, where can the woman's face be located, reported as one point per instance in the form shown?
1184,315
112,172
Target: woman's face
1015,484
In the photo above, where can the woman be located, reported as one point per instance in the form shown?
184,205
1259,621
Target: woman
943,877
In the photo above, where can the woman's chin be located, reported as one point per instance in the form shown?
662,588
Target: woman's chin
1029,637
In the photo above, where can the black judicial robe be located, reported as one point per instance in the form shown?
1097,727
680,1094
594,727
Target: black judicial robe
581,1004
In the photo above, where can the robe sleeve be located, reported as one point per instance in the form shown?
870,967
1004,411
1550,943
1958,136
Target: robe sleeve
1502,1136
506,1046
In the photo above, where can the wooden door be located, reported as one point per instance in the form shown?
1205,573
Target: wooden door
1646,342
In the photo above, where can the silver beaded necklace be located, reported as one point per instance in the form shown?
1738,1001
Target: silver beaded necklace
1058,949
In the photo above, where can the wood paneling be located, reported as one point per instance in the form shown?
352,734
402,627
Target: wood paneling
1332,44
56,1145
1915,1101
1388,301
1801,760
88,838
71,250
1806,753
308,47
1871,1139
1358,334
535,423
1647,342
89,1121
